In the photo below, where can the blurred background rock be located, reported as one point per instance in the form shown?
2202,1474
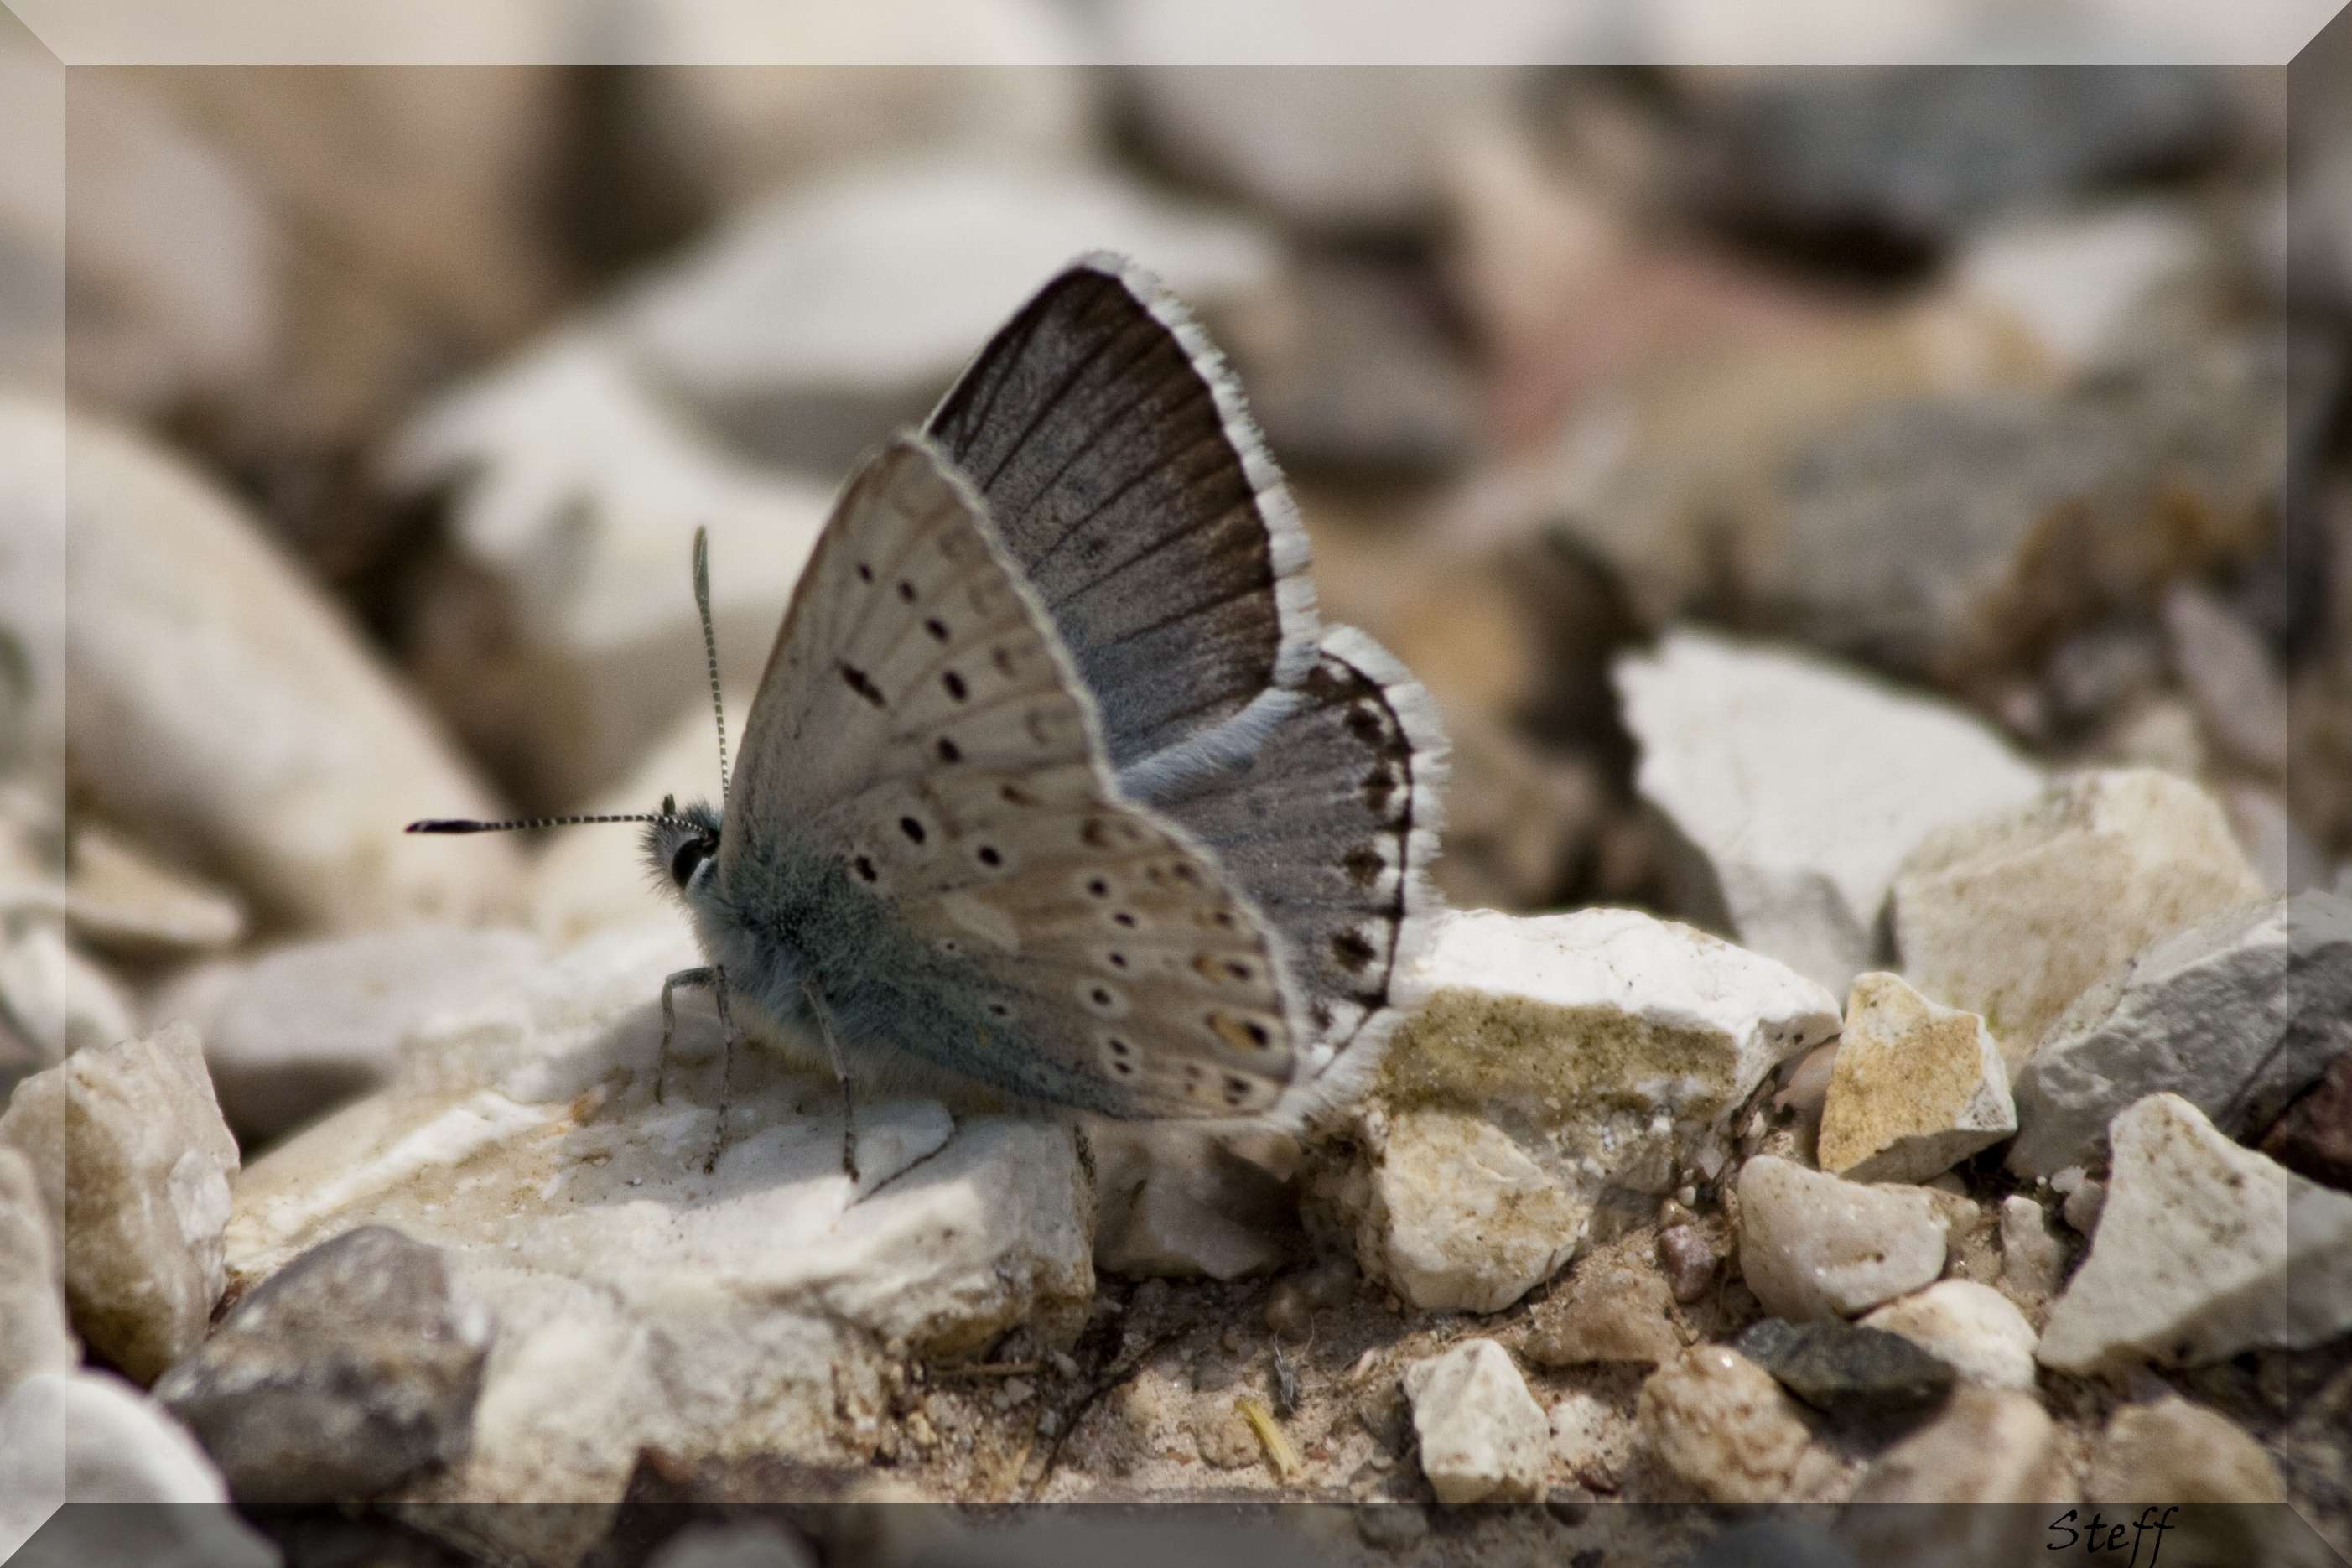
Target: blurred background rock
394,396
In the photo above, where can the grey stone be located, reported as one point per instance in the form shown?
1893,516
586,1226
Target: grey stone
1919,536
1908,160
2237,1015
342,1373
1835,1365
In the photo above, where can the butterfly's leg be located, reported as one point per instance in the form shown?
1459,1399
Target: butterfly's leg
841,1077
695,977
726,1070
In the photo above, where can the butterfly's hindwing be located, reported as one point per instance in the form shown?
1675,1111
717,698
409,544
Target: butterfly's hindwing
1130,487
1329,829
921,724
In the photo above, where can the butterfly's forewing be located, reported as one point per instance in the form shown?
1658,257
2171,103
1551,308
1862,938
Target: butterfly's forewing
1130,486
1329,827
920,725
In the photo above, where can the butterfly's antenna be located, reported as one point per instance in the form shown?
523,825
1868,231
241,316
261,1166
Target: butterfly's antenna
710,645
466,824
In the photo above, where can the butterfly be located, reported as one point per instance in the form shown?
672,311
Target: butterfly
1055,787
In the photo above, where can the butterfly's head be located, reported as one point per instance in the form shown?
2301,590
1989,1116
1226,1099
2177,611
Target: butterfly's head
681,846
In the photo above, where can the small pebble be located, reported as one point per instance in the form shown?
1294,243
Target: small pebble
1330,1283
1288,1312
1840,1366
1689,1262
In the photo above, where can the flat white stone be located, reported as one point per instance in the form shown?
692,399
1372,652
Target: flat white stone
1971,1328
641,1300
1484,1438
132,1159
2015,914
1552,1061
1917,1087
2237,1015
840,285
222,705
1814,1246
2204,1248
1801,784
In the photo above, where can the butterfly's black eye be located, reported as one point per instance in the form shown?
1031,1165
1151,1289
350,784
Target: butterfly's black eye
690,855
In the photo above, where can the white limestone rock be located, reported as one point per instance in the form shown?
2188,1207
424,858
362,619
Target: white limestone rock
1458,1218
2204,1248
1917,1087
1814,1246
1971,1328
1607,1049
2237,1015
641,1300
88,1437
2015,914
1797,785
1723,1427
133,1162
297,1032
34,1337
1484,1438
226,708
